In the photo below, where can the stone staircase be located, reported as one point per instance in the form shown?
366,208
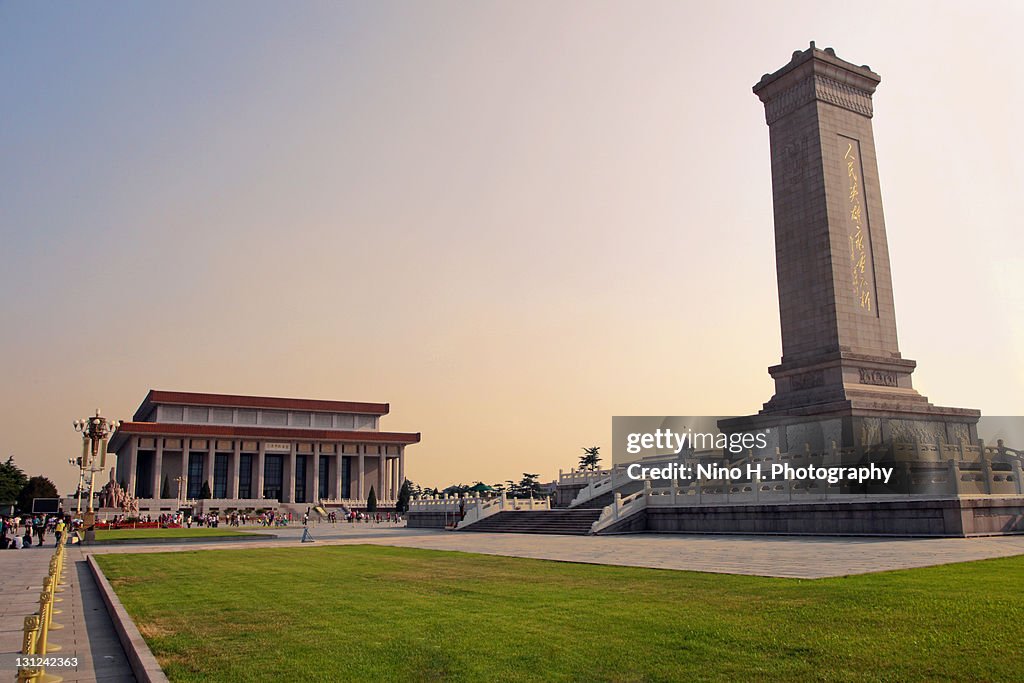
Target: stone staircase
557,521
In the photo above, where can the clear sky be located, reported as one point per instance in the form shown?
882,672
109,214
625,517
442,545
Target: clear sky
509,220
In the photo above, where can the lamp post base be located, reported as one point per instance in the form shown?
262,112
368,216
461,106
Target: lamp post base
89,525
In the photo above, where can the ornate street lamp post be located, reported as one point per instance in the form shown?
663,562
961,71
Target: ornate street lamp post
79,462
96,431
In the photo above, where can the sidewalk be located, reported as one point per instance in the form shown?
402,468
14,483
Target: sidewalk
88,633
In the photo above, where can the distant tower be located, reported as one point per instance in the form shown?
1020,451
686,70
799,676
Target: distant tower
840,357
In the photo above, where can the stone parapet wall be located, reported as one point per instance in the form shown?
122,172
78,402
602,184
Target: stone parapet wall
911,517
431,520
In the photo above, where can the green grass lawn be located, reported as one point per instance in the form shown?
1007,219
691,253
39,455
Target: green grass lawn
367,613
118,534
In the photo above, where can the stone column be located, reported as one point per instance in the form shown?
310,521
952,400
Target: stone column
288,480
362,493
381,464
236,463
401,466
185,451
133,464
260,455
335,473
158,466
315,497
394,477
208,463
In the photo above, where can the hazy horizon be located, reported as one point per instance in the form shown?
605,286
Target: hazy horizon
510,221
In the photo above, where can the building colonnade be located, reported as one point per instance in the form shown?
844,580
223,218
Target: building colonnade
287,471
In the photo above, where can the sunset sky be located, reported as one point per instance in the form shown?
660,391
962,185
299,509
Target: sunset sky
510,220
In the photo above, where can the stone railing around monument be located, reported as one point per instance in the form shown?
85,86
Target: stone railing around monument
621,508
445,503
575,477
441,511
611,480
964,452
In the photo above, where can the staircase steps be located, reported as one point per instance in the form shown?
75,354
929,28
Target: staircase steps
558,521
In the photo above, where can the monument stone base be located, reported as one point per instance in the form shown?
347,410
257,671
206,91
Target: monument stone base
935,517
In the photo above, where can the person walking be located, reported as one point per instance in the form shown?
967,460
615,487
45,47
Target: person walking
58,530
40,525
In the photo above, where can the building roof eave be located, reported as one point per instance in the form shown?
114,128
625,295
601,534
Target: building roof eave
157,397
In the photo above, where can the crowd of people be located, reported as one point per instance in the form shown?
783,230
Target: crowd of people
280,519
26,531
378,517
19,531
266,519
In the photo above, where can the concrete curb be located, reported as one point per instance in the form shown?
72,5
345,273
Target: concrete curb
140,657
181,539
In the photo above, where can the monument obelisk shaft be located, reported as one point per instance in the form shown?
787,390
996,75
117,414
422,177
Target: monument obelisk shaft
840,356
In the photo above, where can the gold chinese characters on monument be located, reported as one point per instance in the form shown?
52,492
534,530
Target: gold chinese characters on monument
860,271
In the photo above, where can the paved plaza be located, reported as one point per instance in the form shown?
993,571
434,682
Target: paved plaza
804,557
89,634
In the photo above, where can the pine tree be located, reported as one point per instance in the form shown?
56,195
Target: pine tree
404,494
165,490
528,486
371,501
591,456
205,493
12,481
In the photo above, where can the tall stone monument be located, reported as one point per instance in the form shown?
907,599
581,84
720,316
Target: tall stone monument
841,366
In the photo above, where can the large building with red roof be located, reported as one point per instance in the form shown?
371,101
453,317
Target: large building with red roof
256,452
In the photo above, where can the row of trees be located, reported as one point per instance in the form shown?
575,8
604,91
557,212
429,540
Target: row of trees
18,489
528,486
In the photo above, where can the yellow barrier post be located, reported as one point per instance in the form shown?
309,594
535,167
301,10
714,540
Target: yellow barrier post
55,573
48,588
51,625
43,646
60,566
28,648
31,648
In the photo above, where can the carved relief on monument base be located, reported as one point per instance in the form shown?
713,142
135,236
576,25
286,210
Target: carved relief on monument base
870,431
909,431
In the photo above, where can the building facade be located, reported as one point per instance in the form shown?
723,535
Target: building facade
255,452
